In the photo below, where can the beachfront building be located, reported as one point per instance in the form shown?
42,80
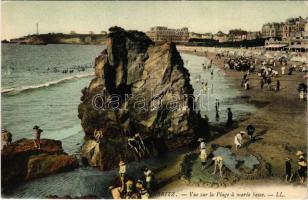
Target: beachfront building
272,30
236,35
221,37
207,36
193,35
293,27
253,35
295,32
161,33
275,44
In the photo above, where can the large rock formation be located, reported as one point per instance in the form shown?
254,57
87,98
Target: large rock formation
21,161
140,88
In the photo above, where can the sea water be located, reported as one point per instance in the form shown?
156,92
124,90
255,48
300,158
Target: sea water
35,91
34,94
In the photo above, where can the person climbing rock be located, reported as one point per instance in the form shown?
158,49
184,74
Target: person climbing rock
98,134
133,144
218,163
141,144
37,132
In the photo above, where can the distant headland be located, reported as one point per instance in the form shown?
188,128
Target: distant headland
60,38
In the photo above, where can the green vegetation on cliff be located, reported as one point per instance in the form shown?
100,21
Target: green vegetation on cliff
60,38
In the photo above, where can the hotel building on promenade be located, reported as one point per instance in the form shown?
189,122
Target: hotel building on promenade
161,33
293,27
272,30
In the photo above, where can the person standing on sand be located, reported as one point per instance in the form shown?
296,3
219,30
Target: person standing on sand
288,170
229,120
261,82
250,130
283,68
37,132
203,157
202,143
302,169
277,86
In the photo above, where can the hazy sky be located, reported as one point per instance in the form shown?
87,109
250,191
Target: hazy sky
20,18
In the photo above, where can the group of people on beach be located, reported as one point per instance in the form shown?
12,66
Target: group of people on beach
7,137
128,188
218,160
267,70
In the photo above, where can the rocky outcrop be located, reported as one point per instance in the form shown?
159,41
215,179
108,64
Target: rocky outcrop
140,87
21,161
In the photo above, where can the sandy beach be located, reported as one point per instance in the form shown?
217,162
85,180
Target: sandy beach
280,123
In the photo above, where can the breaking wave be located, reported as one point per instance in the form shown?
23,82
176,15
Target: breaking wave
42,85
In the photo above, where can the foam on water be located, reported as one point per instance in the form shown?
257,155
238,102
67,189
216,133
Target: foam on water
42,85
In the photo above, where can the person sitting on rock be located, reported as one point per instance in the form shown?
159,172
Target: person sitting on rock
218,162
238,140
6,138
37,141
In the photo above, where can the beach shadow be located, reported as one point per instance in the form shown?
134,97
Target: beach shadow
259,104
256,138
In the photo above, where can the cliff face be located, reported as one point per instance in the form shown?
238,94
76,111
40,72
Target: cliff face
21,161
139,88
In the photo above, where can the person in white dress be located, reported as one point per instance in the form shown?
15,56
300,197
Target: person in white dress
238,140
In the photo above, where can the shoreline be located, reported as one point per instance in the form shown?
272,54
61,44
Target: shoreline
269,106
272,122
